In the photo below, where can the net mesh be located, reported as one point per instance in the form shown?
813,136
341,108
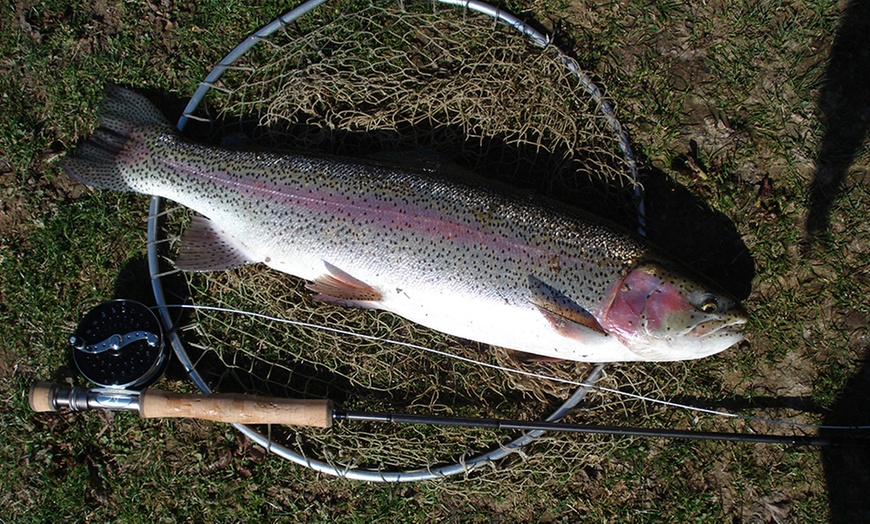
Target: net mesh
451,82
439,83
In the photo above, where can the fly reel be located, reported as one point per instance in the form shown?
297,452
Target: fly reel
119,344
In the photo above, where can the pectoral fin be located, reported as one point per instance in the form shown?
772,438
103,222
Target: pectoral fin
204,247
566,316
338,287
523,357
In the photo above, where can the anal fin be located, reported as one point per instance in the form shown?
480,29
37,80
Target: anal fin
338,287
204,247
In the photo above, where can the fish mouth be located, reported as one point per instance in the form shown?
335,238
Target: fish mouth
721,328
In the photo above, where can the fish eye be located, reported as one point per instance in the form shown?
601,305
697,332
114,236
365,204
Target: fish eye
709,304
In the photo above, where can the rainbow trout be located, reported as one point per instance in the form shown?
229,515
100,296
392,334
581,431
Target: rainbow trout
457,257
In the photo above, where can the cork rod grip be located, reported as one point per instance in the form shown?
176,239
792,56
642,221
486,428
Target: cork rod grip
41,396
236,408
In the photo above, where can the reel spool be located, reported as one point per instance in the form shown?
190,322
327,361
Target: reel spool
119,344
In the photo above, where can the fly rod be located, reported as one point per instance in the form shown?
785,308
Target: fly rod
251,409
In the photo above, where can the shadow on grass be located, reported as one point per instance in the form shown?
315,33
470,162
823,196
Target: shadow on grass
699,236
847,469
844,103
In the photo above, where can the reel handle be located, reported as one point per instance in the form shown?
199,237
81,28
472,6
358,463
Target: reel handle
218,407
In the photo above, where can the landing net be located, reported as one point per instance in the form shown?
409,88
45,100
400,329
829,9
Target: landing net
468,86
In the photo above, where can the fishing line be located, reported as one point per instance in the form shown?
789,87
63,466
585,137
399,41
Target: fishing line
530,374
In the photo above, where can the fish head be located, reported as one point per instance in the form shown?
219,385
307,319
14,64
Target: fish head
661,314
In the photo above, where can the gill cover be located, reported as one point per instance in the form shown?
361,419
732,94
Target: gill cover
660,314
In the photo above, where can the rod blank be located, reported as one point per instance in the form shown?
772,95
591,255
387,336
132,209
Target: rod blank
793,440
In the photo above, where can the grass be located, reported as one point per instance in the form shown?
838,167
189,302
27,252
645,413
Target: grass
739,80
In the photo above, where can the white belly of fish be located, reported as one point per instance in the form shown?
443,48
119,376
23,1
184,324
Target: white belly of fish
490,319
494,322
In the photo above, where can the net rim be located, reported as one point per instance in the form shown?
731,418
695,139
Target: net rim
464,465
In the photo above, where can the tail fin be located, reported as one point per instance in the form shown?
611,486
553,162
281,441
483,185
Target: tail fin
94,161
